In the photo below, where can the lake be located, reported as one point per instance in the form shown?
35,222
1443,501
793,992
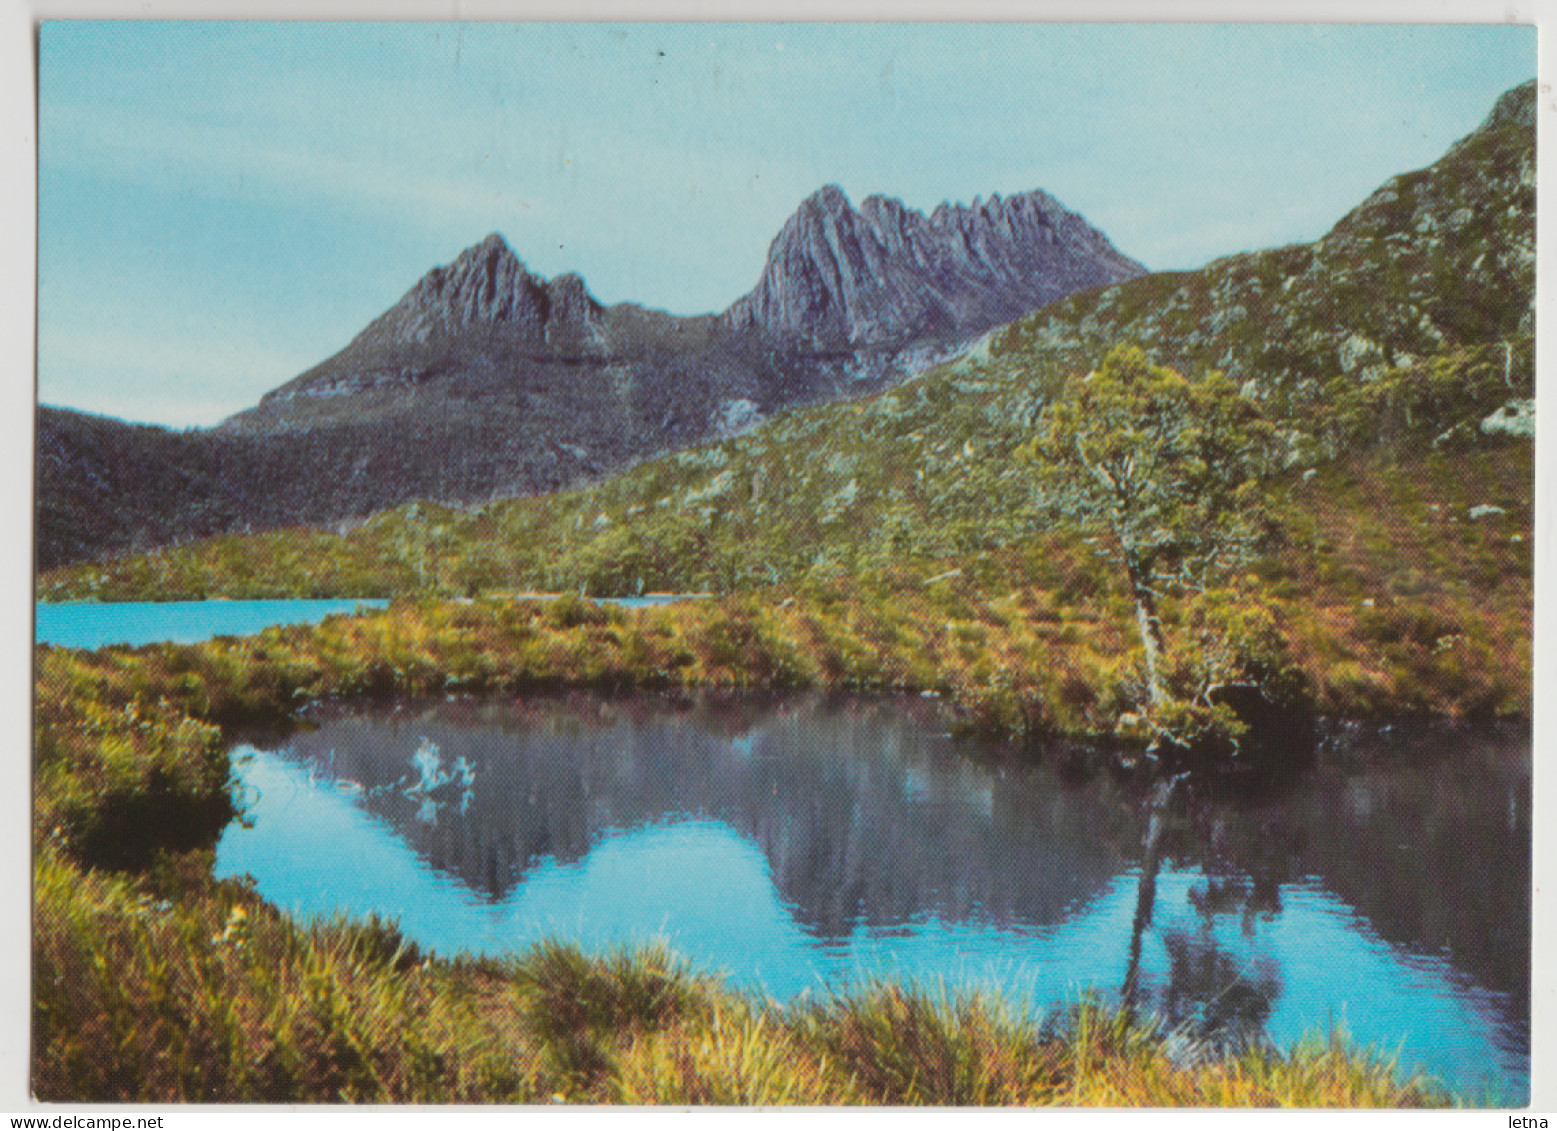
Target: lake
803,844
92,624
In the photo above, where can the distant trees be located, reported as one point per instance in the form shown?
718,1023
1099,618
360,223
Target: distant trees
1170,470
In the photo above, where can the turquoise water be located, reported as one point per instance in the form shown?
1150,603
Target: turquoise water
810,844
87,624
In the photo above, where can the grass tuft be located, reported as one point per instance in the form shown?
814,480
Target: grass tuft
214,996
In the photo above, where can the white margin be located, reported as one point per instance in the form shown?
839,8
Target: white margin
18,23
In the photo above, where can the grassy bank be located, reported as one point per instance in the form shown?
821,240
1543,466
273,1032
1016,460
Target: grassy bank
168,986
128,740
1025,641
154,981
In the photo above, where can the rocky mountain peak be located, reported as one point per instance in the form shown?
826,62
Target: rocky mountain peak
489,284
569,300
886,273
1516,106
829,199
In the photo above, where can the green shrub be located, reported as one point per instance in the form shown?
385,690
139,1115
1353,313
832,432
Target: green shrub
571,611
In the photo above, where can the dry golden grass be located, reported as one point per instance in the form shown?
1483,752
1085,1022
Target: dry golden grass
172,987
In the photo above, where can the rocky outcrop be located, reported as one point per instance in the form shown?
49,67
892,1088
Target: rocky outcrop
488,284
486,297
884,273
1516,418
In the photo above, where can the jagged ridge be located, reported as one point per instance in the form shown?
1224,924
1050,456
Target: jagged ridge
489,402
888,273
489,283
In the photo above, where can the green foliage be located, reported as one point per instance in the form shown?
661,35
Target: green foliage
1170,466
1231,645
1173,471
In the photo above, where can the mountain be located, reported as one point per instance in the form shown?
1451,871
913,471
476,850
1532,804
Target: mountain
1408,324
888,274
848,301
487,380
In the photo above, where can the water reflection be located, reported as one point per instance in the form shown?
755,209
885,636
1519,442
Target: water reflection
827,793
805,843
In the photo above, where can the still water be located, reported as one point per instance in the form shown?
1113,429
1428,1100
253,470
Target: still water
814,843
91,624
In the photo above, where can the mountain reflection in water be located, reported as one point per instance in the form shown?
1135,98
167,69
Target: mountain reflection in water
812,842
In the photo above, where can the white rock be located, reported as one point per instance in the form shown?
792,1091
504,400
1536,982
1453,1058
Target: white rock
736,416
1356,351
1516,418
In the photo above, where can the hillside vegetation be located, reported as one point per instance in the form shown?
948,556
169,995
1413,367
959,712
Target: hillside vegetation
1401,572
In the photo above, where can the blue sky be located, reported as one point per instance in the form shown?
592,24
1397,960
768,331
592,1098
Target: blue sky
222,206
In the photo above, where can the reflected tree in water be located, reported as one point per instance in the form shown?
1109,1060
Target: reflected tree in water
1212,995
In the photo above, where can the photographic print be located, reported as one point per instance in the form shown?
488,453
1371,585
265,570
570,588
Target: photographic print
784,564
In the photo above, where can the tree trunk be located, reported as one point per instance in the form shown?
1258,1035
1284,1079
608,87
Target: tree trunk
1150,626
1146,890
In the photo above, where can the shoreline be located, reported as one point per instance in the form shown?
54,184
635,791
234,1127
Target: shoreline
133,778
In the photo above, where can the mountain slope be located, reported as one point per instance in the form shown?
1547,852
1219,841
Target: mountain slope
1435,259
923,472
487,381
